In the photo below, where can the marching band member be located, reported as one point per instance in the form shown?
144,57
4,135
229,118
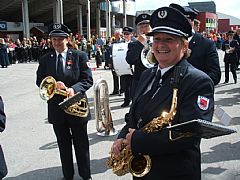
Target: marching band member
135,48
116,89
230,46
127,79
69,68
179,159
204,54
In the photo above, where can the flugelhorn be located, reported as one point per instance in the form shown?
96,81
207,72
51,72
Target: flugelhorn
104,123
48,88
76,105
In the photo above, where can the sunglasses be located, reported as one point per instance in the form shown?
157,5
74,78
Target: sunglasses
126,33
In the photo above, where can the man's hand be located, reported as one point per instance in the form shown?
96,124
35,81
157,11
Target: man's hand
60,85
70,92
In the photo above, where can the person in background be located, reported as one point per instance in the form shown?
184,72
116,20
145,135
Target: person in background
179,159
135,48
116,89
204,54
237,37
230,47
107,53
98,56
196,25
127,79
69,68
4,61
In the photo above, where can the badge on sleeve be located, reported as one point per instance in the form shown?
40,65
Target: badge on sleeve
203,102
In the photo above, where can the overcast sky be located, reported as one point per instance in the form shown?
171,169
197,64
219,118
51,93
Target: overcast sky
230,7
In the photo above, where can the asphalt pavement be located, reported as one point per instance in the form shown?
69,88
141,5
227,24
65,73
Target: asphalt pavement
30,145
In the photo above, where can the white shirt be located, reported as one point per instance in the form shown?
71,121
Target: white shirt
163,71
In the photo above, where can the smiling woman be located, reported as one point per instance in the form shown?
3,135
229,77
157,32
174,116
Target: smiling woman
168,49
169,94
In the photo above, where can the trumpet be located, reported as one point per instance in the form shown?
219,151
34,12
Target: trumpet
76,105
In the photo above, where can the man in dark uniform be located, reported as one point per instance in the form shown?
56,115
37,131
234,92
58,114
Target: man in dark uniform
204,54
69,68
237,37
230,46
127,79
135,48
179,159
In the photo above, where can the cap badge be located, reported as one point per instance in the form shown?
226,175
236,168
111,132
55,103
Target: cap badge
57,26
162,14
144,16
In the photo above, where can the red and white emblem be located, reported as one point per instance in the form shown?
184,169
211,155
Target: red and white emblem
203,102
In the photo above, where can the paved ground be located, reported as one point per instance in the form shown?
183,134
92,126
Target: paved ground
30,145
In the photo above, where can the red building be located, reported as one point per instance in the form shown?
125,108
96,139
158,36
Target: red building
208,22
227,22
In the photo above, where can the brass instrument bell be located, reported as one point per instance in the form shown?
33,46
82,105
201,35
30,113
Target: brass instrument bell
76,105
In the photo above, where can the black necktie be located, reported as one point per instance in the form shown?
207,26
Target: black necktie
147,97
60,66
156,83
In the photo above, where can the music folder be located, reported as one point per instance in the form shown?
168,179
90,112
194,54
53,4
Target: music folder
202,128
70,101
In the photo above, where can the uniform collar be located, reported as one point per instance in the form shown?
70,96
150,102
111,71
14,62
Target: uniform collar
64,53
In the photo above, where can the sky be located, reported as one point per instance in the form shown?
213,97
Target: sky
231,8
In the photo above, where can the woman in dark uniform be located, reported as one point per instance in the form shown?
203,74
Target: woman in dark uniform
179,159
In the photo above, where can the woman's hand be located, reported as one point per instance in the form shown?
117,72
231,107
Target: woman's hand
117,147
128,139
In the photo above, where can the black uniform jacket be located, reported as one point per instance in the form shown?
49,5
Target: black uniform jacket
204,56
177,160
230,57
133,57
2,116
77,75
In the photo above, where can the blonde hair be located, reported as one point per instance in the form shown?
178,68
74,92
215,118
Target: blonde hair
187,51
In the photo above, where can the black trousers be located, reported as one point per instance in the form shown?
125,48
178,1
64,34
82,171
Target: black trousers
75,134
115,82
232,66
127,86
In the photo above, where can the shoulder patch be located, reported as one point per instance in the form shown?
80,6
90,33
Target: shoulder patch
203,102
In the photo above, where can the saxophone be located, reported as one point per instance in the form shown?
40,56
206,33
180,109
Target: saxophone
140,165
